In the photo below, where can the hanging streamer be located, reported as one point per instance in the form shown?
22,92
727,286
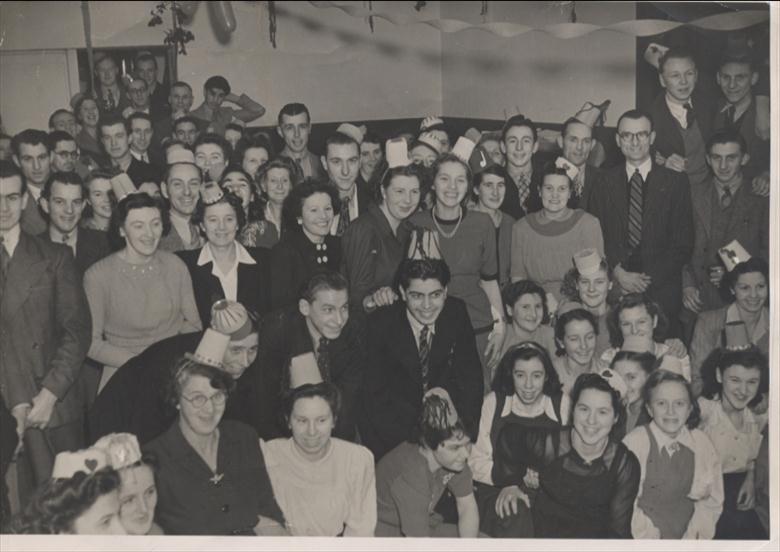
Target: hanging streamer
272,22
88,41
637,28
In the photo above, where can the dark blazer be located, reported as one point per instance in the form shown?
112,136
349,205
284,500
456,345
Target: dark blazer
749,224
253,282
668,139
393,389
135,398
592,177
45,328
533,202
285,335
757,148
667,229
140,172
32,217
91,246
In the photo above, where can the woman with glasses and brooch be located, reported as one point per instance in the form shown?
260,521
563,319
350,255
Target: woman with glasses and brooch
212,478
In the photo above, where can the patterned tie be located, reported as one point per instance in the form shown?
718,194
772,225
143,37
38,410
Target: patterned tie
343,217
523,188
424,354
731,111
635,210
194,237
690,115
110,101
323,358
726,198
579,182
65,239
5,260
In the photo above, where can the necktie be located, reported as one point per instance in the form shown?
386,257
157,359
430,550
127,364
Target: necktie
690,115
110,101
726,198
145,158
194,237
523,188
424,352
343,216
5,260
635,210
579,182
323,360
65,239
731,111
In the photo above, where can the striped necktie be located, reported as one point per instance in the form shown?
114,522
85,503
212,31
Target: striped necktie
5,260
635,210
424,354
726,198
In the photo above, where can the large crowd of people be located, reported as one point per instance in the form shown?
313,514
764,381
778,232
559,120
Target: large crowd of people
419,335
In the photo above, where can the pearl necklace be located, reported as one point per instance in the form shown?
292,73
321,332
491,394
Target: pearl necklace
447,235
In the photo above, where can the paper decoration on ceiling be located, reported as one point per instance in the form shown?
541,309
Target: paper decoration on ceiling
638,28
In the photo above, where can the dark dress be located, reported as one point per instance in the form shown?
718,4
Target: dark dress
576,499
193,500
295,259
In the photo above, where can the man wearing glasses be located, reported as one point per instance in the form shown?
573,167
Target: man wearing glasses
646,218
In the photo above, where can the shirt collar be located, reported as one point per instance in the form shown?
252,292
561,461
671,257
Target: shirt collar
644,169
678,111
56,235
242,255
11,239
733,187
663,440
35,192
544,406
739,108
417,326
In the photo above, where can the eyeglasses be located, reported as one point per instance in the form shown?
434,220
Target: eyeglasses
199,401
640,136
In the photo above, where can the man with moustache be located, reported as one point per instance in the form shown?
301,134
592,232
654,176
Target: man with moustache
294,127
342,163
116,137
181,189
32,155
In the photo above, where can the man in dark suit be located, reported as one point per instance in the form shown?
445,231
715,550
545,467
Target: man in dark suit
146,70
682,117
646,219
135,400
320,324
63,200
413,345
576,142
31,154
342,163
116,137
724,209
294,127
144,145
45,332
519,144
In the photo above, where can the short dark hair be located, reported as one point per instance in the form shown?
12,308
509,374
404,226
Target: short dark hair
235,126
741,58
572,121
111,119
727,136
281,162
217,82
411,170
57,136
503,380
433,426
31,137
518,121
227,197
595,381
169,169
658,377
721,359
146,56
423,269
646,361
629,301
293,205
514,291
138,200
216,139
185,119
293,109
70,178
675,53
80,103
248,142
340,139
495,170
635,115
371,138
753,264
58,112
324,279
325,390
563,320
550,169
138,115
9,169
185,368
181,84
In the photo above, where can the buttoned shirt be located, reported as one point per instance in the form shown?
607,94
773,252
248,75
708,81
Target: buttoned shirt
229,279
353,211
417,328
721,187
11,239
644,169
678,111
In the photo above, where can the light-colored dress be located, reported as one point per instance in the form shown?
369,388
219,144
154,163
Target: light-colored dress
331,496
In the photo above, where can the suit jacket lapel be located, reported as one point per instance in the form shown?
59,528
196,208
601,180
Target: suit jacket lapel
27,264
619,195
702,205
407,347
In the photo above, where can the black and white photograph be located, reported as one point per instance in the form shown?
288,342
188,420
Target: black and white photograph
278,273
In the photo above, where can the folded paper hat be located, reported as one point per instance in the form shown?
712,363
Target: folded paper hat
733,254
675,365
571,170
592,114
638,344
567,306
68,464
303,370
463,148
480,160
474,135
397,153
231,318
653,54
615,381
354,132
122,449
122,186
452,414
211,193
211,349
430,122
430,140
424,245
736,336
180,155
587,261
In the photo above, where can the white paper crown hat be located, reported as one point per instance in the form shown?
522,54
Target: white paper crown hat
638,344
304,369
397,153
733,254
68,464
122,186
736,336
587,261
354,132
122,449
430,140
463,149
231,318
180,155
211,193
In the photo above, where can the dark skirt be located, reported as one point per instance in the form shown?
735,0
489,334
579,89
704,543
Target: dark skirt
737,524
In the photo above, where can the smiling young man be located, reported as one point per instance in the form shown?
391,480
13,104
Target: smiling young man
724,209
216,91
116,137
342,163
181,188
294,127
576,142
519,143
423,341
